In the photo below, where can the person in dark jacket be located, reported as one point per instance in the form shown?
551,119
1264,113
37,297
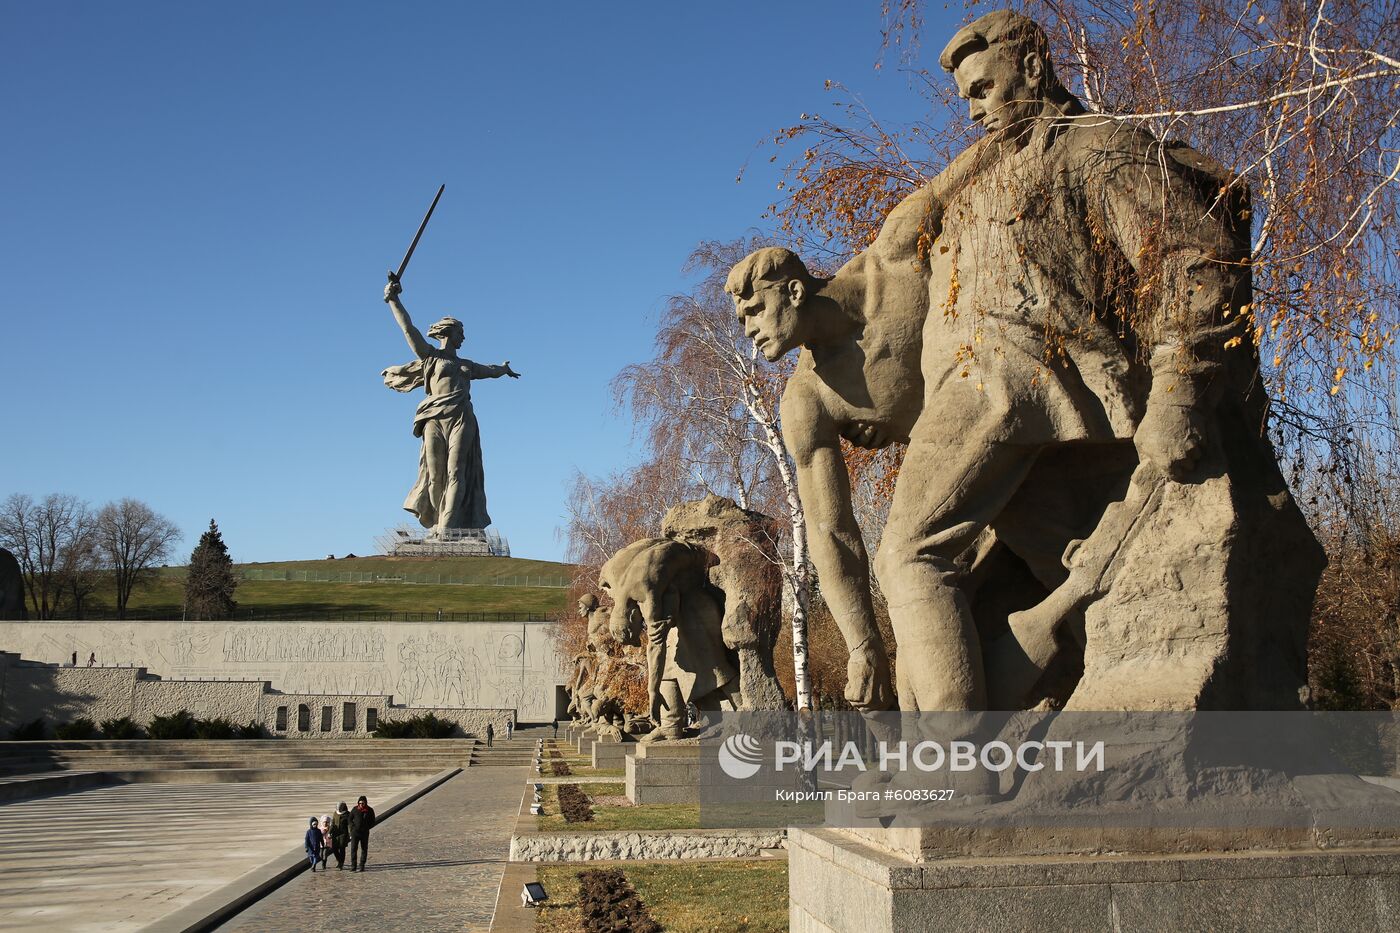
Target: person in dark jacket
490,734
361,822
313,843
340,835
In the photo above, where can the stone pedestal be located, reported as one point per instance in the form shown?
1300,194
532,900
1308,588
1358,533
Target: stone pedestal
665,772
611,754
841,884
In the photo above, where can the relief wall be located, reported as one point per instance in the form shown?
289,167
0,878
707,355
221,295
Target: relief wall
490,665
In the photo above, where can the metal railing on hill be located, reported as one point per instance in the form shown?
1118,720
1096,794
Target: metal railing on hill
330,615
368,576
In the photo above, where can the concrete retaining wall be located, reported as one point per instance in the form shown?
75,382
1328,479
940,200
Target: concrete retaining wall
644,846
453,665
63,694
236,700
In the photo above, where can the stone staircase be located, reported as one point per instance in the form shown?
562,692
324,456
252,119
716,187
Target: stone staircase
28,769
185,754
518,750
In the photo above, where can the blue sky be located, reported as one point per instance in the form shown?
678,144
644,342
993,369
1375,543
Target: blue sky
200,202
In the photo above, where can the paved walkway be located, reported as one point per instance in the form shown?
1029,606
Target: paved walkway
119,858
435,865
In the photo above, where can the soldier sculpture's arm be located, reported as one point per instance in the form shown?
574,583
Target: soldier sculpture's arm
837,547
1171,225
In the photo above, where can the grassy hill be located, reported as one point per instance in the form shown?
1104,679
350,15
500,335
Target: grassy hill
496,567
269,599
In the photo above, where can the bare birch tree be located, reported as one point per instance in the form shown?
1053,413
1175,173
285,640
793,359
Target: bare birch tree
709,398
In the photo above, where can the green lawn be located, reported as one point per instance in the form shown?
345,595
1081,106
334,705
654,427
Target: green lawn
447,566
267,599
685,897
650,816
586,770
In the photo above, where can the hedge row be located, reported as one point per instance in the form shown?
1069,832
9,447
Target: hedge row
424,726
178,725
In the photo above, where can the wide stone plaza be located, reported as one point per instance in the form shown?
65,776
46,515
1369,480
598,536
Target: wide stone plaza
122,858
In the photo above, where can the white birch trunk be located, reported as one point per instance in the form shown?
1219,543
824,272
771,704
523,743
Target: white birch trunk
796,576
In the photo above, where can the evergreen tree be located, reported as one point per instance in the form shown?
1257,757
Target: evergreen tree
211,581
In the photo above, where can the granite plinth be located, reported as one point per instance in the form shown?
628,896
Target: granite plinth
840,884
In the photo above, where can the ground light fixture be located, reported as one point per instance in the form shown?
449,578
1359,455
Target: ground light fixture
532,894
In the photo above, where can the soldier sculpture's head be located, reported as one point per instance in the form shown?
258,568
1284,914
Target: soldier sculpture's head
769,287
1001,65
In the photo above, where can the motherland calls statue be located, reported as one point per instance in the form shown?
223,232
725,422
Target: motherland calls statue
451,488
1089,513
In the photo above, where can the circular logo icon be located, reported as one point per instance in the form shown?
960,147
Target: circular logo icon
740,756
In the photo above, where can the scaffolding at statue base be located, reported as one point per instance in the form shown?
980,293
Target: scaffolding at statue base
405,541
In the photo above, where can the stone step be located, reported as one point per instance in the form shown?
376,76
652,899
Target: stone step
131,744
83,760
328,762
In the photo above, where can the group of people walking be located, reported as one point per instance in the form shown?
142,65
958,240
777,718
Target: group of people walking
330,835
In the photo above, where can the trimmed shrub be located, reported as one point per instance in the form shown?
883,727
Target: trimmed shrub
216,728
77,729
178,725
424,726
254,730
608,903
574,804
29,731
123,728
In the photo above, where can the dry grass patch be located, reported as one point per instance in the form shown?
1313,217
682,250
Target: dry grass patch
611,811
684,897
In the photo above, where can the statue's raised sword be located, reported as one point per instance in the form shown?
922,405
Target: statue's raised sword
396,276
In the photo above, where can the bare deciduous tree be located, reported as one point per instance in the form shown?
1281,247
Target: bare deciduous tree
133,540
53,541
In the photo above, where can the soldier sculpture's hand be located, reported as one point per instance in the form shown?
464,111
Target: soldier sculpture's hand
1171,437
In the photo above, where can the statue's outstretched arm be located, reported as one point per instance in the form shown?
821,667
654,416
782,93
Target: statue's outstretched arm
416,341
488,371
